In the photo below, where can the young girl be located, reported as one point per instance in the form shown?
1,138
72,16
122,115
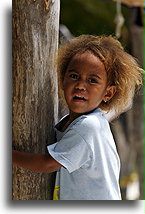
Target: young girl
96,75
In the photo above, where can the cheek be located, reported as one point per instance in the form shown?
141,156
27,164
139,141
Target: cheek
66,90
64,85
97,94
67,85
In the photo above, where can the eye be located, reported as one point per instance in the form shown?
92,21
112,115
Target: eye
93,80
74,76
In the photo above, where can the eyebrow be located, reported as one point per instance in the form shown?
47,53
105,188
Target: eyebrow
95,75
91,75
72,70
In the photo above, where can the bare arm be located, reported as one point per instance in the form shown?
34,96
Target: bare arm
35,162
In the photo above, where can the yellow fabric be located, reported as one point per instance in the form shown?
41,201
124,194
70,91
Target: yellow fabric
55,193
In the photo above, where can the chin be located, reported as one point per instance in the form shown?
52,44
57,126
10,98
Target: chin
82,111
77,111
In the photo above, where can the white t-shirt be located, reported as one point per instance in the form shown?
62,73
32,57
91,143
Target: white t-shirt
91,166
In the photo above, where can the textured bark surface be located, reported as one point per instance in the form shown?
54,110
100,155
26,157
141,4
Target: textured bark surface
35,90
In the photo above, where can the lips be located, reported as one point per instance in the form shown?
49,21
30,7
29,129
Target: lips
79,98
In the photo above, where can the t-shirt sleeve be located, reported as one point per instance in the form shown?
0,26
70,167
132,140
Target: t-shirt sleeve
72,151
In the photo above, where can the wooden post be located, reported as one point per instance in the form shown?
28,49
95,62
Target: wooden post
35,90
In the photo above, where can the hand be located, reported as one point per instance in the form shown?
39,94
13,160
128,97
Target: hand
35,162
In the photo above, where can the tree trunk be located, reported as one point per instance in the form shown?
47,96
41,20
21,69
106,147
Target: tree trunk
35,90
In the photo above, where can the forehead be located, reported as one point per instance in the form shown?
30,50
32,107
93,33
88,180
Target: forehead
86,60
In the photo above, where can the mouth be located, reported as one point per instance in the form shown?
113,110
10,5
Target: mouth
78,98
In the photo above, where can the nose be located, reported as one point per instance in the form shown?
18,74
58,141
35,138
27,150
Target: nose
80,85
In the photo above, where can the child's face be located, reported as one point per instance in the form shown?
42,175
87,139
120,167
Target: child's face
85,83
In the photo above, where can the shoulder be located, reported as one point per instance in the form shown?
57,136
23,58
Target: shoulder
90,123
95,119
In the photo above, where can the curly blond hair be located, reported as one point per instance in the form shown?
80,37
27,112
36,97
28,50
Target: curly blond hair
122,69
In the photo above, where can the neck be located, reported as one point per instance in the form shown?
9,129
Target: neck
73,116
67,121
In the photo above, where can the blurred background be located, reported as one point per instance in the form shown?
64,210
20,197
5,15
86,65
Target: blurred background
123,19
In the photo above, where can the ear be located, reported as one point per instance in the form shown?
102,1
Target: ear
110,91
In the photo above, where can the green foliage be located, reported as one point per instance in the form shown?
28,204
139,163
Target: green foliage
89,16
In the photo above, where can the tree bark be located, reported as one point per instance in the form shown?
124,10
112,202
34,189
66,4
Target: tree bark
35,90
